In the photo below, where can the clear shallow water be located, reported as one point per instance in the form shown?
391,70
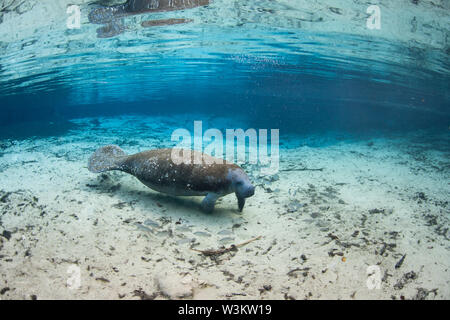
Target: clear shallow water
271,71
364,151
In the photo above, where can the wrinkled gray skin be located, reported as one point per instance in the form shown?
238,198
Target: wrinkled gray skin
110,15
156,170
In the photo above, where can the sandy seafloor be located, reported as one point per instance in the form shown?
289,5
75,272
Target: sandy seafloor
373,201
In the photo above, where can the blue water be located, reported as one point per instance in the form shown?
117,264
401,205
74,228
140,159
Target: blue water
291,79
364,142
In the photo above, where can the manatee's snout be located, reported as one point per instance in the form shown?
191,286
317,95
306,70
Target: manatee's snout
241,185
250,191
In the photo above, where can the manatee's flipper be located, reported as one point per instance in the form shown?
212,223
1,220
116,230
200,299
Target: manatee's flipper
163,22
241,202
106,158
111,29
209,202
104,15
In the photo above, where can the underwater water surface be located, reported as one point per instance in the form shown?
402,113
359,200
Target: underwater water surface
286,76
363,114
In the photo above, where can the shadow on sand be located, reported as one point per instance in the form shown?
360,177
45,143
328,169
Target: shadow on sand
179,207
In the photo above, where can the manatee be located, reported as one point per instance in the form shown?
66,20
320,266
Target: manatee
110,15
199,175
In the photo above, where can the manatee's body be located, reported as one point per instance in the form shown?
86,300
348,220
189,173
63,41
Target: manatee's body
209,176
110,15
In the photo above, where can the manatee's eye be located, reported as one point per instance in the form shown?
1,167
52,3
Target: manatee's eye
239,183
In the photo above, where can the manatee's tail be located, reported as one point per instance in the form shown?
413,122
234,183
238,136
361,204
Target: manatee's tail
106,158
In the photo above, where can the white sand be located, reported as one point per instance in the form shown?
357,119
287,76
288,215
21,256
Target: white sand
95,222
